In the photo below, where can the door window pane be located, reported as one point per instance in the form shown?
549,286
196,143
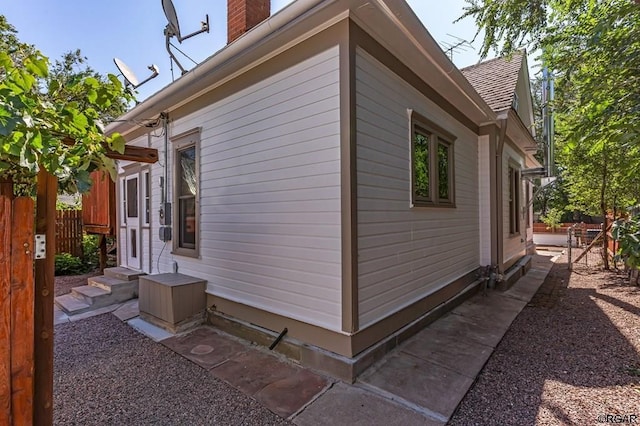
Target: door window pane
132,197
187,222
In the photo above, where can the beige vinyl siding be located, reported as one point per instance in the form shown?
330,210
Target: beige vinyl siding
514,245
406,253
484,199
270,194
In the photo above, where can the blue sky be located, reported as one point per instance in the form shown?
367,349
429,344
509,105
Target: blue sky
132,30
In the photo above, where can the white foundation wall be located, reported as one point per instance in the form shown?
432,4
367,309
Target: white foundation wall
404,253
270,221
514,245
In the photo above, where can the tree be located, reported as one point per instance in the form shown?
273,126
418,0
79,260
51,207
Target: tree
593,49
52,122
73,67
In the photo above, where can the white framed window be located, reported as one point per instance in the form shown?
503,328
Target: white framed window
432,164
123,201
186,193
514,199
146,197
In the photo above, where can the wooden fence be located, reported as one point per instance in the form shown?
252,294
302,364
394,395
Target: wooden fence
26,303
541,228
69,232
17,295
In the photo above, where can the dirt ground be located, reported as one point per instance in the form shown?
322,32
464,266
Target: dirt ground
570,358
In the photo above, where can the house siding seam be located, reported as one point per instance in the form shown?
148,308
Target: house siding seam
514,245
404,254
270,194
484,198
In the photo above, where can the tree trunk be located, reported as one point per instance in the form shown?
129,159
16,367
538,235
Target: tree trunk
603,209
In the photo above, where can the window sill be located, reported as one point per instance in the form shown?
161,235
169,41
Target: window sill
422,204
186,253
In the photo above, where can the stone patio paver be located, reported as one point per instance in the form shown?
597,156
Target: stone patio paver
423,383
205,347
287,396
252,371
354,406
464,356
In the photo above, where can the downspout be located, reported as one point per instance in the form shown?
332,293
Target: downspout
502,123
165,130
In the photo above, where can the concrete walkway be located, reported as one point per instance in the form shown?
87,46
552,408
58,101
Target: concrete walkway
420,382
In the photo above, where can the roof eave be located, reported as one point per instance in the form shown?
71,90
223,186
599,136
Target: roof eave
211,70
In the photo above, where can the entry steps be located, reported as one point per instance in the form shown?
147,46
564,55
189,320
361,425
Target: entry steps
117,285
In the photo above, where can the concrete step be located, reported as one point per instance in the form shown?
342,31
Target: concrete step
71,305
118,287
91,295
121,273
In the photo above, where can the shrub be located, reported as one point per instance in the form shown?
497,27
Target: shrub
91,251
68,264
627,233
553,218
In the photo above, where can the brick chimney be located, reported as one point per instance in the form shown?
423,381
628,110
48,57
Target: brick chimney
242,15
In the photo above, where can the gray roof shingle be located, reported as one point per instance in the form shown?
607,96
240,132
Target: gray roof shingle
495,80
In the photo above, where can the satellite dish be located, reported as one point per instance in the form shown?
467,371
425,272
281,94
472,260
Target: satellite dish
173,29
130,78
172,17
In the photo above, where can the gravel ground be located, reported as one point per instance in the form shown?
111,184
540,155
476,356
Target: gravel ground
106,373
569,358
64,283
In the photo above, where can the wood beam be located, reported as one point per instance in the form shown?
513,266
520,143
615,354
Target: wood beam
131,153
135,153
47,190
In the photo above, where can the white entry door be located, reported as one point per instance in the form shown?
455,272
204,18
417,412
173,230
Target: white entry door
132,216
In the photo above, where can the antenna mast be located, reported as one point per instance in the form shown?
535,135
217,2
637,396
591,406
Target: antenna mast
173,30
455,46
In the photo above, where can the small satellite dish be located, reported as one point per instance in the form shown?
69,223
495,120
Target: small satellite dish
173,29
172,17
129,77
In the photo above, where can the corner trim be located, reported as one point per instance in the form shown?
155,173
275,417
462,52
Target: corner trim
348,178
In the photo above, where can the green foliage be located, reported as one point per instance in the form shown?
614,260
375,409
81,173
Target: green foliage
67,264
593,50
52,119
627,233
510,23
69,202
421,165
91,251
553,218
61,205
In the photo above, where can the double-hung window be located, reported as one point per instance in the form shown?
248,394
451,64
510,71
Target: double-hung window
514,199
432,168
186,193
